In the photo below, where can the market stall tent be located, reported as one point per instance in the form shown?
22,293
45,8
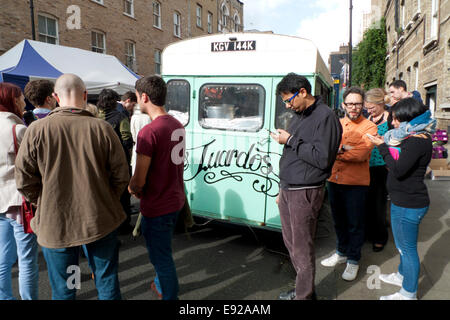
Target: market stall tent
30,60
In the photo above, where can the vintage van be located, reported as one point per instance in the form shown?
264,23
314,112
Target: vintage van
222,88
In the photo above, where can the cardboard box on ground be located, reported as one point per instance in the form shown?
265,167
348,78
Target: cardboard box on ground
440,169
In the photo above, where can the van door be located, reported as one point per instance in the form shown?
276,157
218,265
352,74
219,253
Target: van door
279,119
178,104
228,165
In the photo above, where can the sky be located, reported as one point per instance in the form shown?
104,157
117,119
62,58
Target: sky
325,22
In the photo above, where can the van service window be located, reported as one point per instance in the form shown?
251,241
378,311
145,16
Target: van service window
177,101
236,107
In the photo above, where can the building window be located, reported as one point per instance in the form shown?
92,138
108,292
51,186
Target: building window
98,42
130,55
434,19
48,29
403,9
158,61
431,99
176,24
416,74
128,7
210,19
224,13
157,14
237,23
199,16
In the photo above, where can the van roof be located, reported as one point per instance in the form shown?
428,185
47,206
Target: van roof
271,54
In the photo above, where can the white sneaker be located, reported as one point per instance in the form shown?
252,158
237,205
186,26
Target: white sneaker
396,296
393,278
351,271
333,260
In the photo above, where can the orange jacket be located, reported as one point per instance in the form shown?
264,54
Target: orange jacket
352,166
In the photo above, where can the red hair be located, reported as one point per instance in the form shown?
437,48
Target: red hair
8,93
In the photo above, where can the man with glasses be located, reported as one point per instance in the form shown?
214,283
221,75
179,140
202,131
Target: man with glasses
311,144
349,184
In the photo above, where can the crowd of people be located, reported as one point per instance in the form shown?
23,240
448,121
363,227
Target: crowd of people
386,154
79,163
73,161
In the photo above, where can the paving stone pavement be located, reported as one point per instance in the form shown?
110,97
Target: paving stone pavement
217,261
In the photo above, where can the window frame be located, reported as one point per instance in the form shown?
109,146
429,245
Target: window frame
157,15
131,2
127,43
237,24
224,15
98,32
189,98
217,84
177,27
47,35
158,64
434,20
210,22
199,14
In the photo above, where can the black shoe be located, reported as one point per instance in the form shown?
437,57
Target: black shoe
377,248
288,295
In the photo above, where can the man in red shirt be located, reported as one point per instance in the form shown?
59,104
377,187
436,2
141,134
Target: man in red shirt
158,179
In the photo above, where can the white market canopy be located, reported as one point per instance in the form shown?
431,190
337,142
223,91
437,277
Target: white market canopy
39,60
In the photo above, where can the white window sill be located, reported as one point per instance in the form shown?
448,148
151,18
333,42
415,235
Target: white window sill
99,3
416,15
129,15
430,43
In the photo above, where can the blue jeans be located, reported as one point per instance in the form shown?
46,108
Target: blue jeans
103,258
15,245
158,236
405,228
348,209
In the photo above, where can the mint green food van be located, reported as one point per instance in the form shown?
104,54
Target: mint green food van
222,89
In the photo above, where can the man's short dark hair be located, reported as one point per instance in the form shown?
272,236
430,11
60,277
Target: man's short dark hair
129,95
37,91
107,99
154,87
293,83
356,90
408,109
398,84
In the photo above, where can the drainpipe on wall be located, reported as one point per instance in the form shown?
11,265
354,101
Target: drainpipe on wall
350,49
189,18
33,31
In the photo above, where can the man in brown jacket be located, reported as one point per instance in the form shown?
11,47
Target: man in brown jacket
72,165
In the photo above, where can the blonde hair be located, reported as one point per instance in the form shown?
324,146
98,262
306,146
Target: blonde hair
92,108
377,96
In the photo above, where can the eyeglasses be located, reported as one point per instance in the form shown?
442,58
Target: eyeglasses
351,104
290,99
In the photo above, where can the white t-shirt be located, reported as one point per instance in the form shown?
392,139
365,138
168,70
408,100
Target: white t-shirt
138,121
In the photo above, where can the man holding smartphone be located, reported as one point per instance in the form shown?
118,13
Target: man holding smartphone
311,143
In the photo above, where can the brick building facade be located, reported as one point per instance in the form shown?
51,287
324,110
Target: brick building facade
418,33
135,31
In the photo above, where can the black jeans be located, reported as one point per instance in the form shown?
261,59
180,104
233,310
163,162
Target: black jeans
348,209
376,206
